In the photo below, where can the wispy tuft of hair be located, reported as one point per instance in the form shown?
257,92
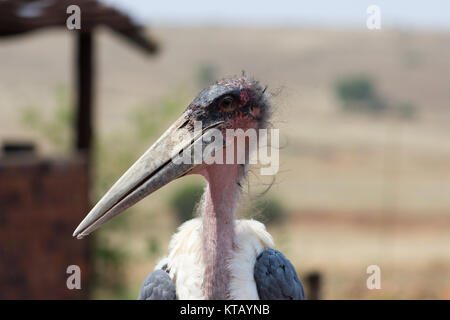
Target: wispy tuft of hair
262,95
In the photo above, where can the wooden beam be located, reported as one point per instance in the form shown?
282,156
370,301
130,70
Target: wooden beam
85,78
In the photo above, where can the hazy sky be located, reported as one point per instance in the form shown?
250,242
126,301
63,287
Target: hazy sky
429,14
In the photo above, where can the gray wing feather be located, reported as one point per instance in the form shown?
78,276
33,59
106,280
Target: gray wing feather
276,278
157,286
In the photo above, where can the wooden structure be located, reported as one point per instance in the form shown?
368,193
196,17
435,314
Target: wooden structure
43,200
22,16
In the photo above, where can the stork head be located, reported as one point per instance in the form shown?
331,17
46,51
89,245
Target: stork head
240,103
234,103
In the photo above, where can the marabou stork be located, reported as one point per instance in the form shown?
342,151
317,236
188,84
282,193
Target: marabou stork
214,256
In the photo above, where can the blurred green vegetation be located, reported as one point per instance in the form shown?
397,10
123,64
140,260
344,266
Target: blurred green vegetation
57,127
406,110
149,119
153,247
206,75
359,93
184,200
116,152
108,273
268,210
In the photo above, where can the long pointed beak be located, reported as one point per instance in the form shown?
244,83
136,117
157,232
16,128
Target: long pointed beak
151,171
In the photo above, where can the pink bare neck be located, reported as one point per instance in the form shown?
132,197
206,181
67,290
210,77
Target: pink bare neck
218,211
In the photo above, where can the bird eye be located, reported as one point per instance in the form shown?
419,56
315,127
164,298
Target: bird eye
227,104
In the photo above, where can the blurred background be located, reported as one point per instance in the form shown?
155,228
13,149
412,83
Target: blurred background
364,124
